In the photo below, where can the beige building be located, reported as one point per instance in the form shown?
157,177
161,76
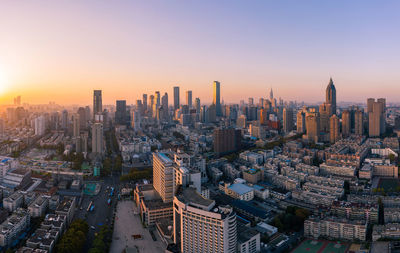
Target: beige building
200,226
334,129
313,126
346,123
163,176
358,122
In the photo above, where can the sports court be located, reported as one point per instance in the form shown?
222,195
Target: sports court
321,246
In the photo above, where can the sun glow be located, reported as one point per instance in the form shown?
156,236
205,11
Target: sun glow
3,82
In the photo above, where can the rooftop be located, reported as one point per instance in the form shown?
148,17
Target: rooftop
191,196
240,188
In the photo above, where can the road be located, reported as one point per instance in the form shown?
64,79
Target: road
102,213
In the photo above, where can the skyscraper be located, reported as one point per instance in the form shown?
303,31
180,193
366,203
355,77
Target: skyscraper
120,113
64,120
287,120
144,102
346,123
135,120
376,118
325,112
97,102
82,117
312,126
176,98
97,138
163,176
331,96
334,129
271,95
301,121
201,226
189,98
197,105
76,125
217,98
40,125
158,99
358,122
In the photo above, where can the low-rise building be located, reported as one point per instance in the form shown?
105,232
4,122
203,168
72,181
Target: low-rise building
67,208
240,191
388,231
13,226
14,201
38,207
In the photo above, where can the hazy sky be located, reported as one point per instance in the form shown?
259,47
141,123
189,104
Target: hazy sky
62,50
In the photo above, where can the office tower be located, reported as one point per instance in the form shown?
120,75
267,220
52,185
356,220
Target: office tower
158,99
334,128
227,140
150,108
358,122
135,120
211,114
217,98
301,122
17,101
64,120
251,101
261,102
287,120
176,98
189,98
165,111
88,114
97,139
370,102
325,112
197,105
376,118
383,121
263,116
312,126
97,102
271,95
346,123
82,117
163,176
267,105
76,125
201,226
139,106
120,113
331,96
40,125
144,101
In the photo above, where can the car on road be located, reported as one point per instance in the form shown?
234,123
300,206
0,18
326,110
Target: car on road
92,227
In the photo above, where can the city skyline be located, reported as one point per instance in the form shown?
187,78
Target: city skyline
57,58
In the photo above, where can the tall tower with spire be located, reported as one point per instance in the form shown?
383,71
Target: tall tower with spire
271,95
331,96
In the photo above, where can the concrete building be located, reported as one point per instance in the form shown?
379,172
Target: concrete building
200,226
376,117
334,129
287,120
331,95
240,191
358,122
67,208
38,207
163,176
301,121
97,102
227,140
346,123
13,226
97,139
313,126
40,125
13,202
217,98
176,98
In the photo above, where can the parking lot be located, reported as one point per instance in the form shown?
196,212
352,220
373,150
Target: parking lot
128,224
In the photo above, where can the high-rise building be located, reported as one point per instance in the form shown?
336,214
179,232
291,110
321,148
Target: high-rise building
227,140
217,98
76,125
163,176
370,102
325,112
158,99
82,118
97,102
334,128
176,98
64,120
144,101
331,96
135,120
271,95
358,122
251,101
120,113
88,114
189,98
165,111
301,121
197,105
346,123
376,118
263,116
287,120
40,125
201,226
97,138
312,126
